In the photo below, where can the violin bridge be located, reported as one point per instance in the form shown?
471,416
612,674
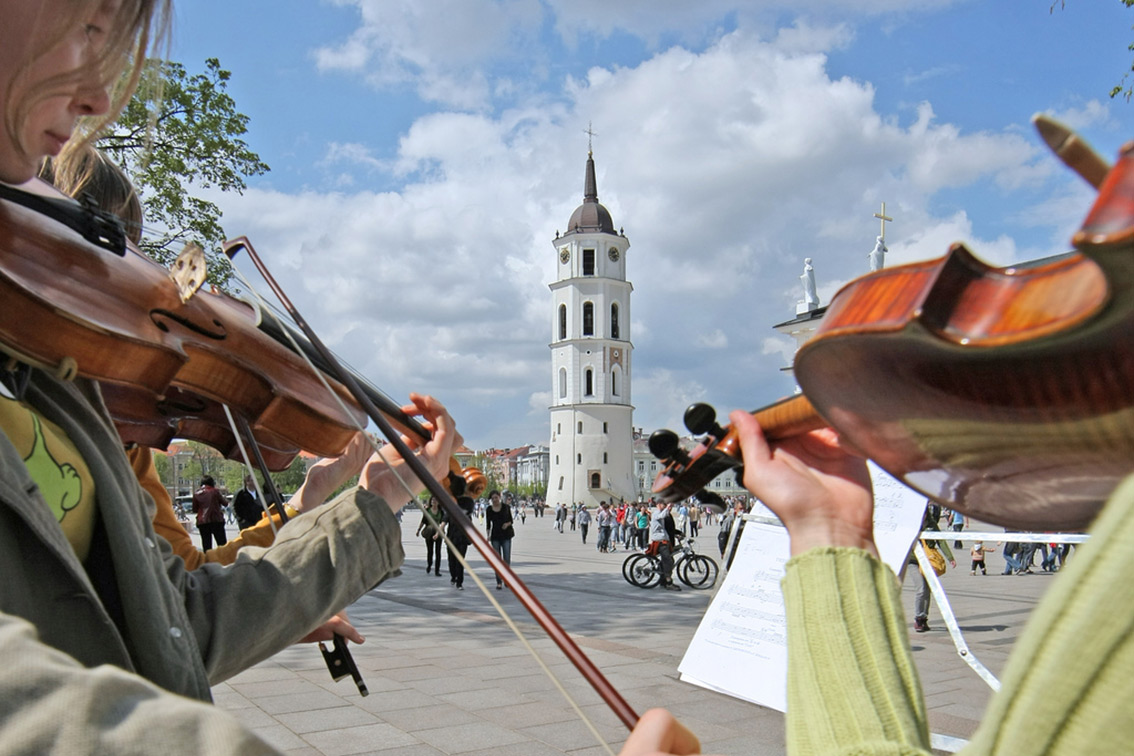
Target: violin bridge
188,271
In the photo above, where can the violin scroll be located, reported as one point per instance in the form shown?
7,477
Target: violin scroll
687,473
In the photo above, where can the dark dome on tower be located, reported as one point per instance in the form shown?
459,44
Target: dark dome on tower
590,216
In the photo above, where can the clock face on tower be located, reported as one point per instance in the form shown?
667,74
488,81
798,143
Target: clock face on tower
564,255
613,254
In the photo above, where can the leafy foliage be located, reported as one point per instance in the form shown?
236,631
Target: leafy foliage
181,132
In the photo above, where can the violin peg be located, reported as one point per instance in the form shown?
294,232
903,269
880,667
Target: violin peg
665,445
701,419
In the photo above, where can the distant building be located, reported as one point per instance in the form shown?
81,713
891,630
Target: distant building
532,467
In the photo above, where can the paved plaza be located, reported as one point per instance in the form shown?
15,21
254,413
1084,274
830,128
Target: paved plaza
447,676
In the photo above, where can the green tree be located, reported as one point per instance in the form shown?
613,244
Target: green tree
289,480
181,132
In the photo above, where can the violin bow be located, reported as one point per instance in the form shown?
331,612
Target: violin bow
539,613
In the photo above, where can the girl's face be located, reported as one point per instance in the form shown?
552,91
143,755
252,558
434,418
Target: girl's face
36,47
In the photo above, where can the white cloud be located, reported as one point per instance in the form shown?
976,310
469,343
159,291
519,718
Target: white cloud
726,166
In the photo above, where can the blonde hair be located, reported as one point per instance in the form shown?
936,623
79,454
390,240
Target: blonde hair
138,27
86,170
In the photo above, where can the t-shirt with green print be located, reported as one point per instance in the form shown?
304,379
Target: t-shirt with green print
55,465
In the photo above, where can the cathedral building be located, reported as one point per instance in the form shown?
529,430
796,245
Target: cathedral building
591,448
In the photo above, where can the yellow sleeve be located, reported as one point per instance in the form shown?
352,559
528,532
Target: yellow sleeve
166,523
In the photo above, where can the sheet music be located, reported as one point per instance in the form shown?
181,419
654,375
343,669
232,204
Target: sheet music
740,648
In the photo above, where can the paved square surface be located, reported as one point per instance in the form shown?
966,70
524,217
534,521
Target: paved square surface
447,676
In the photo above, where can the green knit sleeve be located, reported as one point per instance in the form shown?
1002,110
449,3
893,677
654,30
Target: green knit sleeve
852,684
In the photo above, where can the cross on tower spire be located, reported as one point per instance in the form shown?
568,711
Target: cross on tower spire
883,218
590,135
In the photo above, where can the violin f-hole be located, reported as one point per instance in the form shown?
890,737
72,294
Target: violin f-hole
159,316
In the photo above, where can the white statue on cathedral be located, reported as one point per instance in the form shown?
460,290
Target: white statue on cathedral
878,255
810,298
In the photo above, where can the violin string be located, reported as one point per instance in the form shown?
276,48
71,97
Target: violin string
249,470
448,543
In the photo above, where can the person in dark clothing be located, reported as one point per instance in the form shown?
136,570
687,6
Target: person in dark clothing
246,506
209,504
430,530
458,540
663,532
498,521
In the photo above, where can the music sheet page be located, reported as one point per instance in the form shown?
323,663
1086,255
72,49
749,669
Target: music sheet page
740,646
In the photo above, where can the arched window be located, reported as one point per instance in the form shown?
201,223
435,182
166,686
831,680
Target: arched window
588,318
562,383
589,383
614,320
614,382
562,321
596,480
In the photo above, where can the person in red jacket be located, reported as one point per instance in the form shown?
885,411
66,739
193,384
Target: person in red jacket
209,504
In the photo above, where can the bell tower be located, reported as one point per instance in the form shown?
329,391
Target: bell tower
591,431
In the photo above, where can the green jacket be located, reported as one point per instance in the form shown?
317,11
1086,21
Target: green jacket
1067,688
87,650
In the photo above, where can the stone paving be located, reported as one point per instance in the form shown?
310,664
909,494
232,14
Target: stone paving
447,676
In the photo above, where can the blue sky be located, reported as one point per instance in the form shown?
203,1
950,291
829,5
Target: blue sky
424,154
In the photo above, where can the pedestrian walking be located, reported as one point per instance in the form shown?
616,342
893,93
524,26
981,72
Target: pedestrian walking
498,521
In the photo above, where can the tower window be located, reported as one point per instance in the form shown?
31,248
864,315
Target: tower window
589,383
560,482
596,480
562,383
580,426
562,321
604,458
588,318
604,428
614,320
578,459
588,262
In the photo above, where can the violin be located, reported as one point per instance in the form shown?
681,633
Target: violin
1004,393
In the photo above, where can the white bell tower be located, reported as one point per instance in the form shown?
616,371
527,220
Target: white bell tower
591,414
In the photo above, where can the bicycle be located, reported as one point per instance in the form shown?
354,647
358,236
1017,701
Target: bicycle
695,570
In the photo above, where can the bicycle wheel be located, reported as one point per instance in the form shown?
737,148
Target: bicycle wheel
626,569
698,571
643,571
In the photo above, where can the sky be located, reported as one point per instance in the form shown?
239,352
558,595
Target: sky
424,155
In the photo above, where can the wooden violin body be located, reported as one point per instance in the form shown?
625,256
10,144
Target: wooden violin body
1005,393
166,366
